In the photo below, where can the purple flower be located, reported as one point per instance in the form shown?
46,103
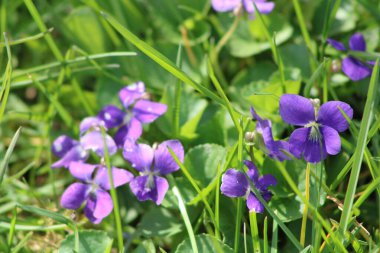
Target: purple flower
319,134
351,66
91,139
92,190
152,163
137,111
275,149
235,184
263,6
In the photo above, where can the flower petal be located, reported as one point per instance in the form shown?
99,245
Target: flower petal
296,110
225,5
331,140
163,160
252,172
147,111
94,141
62,145
139,155
253,204
265,181
336,44
315,151
74,195
76,154
90,122
149,188
264,7
133,130
355,69
234,184
357,42
129,94
82,171
279,151
99,205
330,115
112,116
297,141
119,176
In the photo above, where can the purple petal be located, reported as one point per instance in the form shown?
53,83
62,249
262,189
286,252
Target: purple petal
253,204
76,154
147,111
264,7
90,122
149,188
252,172
278,152
315,151
112,116
132,130
163,160
234,184
265,181
296,110
336,44
357,42
331,140
297,141
355,69
75,195
119,176
82,171
94,141
139,155
62,145
330,115
225,5
98,206
128,95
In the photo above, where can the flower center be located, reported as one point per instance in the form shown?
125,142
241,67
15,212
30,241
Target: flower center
315,134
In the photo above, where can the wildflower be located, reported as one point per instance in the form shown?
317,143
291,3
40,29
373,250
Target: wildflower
319,134
92,190
263,6
152,163
235,184
68,150
275,149
351,66
138,111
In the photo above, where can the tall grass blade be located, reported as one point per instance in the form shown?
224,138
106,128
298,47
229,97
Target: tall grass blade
5,159
6,82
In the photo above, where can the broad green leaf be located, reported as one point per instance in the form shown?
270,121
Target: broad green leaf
206,244
90,241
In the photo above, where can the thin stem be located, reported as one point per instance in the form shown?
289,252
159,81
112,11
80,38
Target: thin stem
305,208
254,232
116,212
238,224
222,42
265,234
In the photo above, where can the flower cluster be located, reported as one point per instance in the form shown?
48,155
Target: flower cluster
263,6
118,129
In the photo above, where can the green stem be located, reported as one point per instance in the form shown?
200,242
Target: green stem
265,234
116,212
239,212
254,232
305,208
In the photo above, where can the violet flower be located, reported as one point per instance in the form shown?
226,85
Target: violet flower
68,150
235,184
137,111
263,6
274,149
319,134
354,68
152,163
92,190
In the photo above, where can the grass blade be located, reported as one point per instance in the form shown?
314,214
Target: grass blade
359,151
160,59
5,160
6,82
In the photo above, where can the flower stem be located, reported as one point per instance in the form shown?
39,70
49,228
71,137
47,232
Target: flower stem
305,208
254,232
119,230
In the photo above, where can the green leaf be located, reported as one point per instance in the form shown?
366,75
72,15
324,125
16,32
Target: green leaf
206,244
249,38
160,222
46,213
90,241
5,159
202,162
